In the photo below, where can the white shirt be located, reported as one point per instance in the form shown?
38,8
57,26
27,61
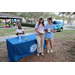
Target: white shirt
19,30
40,28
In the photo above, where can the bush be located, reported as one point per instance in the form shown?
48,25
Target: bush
28,25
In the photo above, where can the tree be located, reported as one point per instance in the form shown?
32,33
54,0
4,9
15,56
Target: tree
63,13
13,13
69,15
74,14
34,15
24,14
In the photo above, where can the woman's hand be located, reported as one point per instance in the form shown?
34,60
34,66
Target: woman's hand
41,33
22,32
50,30
37,30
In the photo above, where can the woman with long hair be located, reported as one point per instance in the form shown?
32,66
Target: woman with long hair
50,29
40,32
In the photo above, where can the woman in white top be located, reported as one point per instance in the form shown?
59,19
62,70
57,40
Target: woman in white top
40,32
19,31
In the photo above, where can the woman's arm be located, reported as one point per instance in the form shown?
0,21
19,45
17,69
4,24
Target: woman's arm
44,31
22,32
53,30
36,26
37,31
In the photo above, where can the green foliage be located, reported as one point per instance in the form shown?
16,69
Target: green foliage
73,13
2,24
36,15
12,31
13,13
28,25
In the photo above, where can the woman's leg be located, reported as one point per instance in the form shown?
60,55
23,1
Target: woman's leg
39,43
42,43
51,45
47,46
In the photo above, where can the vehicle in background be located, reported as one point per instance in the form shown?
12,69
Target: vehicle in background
58,24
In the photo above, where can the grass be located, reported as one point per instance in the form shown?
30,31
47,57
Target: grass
1,52
69,36
65,34
74,39
2,24
4,32
1,43
55,51
70,26
71,54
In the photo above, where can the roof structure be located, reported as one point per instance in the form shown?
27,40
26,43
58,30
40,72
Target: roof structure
9,16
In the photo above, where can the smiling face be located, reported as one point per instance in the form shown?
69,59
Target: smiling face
49,20
19,27
41,20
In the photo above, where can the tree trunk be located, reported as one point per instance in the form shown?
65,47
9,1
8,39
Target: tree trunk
70,21
35,19
5,21
63,19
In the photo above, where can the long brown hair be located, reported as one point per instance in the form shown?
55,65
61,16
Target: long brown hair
42,22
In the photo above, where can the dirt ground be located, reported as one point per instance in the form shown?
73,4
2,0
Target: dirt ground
64,51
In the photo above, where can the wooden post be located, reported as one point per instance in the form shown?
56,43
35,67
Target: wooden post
21,20
5,21
11,20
